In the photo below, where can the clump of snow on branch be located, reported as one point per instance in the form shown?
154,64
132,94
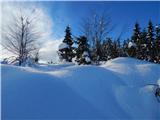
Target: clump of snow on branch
85,55
63,46
131,44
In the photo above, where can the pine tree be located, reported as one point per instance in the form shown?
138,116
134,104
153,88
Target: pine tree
103,48
107,49
82,52
115,52
131,49
68,38
136,40
125,48
119,48
150,42
97,52
157,45
143,47
65,49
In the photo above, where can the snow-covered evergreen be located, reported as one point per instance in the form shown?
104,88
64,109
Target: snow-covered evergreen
150,42
157,45
65,48
82,51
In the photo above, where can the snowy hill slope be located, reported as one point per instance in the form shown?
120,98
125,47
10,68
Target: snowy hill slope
115,90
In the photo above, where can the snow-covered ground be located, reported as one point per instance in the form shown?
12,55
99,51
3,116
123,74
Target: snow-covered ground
115,90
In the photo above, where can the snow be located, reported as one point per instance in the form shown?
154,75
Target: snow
144,45
9,60
118,89
156,26
87,59
131,44
63,46
85,55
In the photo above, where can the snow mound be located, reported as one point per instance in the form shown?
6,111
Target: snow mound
116,90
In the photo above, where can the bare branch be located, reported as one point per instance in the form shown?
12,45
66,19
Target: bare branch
21,36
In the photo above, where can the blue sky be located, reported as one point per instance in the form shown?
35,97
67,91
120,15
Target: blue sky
123,15
55,16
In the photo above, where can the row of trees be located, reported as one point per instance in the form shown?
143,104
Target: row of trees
144,45
21,38
67,52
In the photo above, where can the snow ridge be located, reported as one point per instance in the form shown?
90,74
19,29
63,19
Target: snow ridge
117,89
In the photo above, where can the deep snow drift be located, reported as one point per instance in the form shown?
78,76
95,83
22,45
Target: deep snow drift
115,90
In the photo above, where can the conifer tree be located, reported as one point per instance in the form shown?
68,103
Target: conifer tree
119,48
82,52
65,49
157,45
150,42
131,49
125,48
143,47
136,41
107,49
68,37
115,50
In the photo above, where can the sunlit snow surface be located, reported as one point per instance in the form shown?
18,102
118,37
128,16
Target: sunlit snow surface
118,89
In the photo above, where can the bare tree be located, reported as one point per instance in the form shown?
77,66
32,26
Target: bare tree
96,28
20,37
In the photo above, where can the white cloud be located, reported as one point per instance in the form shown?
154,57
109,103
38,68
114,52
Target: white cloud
44,24
42,20
49,51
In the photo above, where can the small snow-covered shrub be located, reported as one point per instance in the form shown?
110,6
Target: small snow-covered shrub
10,60
4,61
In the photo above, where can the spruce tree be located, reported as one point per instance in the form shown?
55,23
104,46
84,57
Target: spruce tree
136,40
103,48
115,50
97,52
82,52
125,48
119,48
131,49
65,49
68,38
143,47
107,49
150,42
157,45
